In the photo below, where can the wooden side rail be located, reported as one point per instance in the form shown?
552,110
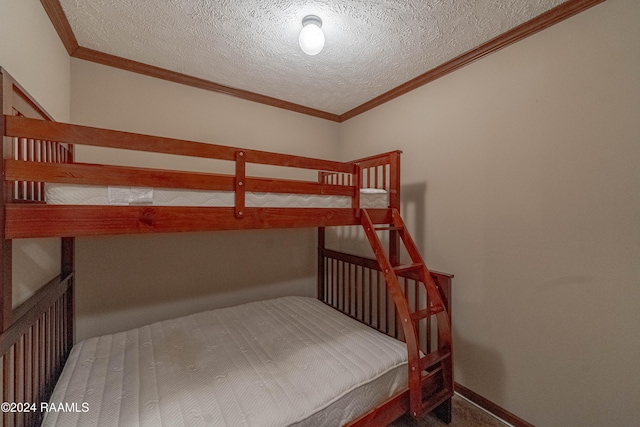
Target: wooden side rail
31,221
381,171
33,132
34,349
30,171
85,173
84,135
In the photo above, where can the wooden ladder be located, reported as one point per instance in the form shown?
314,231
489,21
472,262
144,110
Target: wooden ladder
419,362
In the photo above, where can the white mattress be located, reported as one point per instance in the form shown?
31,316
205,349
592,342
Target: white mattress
71,194
290,361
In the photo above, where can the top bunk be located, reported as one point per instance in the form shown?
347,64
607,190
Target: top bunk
48,194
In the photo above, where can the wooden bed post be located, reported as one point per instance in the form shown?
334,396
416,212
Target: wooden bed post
67,270
321,266
6,194
35,337
240,183
394,203
357,183
321,246
445,409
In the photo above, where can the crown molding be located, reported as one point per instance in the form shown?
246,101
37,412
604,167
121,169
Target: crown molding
172,76
560,13
539,23
61,24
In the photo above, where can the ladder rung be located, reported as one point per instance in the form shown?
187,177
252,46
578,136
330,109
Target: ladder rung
427,406
387,228
407,267
421,314
426,312
437,308
433,358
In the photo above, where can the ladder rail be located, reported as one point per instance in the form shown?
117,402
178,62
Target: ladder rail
409,320
427,280
401,304
437,307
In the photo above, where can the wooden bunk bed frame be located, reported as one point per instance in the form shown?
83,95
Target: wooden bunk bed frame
405,301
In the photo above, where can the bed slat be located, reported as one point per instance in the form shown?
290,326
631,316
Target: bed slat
382,315
34,349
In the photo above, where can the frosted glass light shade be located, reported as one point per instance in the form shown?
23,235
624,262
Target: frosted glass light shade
311,36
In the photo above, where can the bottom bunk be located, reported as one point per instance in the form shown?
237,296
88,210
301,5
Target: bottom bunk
288,361
336,360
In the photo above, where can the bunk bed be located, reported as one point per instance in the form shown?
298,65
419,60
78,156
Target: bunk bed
387,301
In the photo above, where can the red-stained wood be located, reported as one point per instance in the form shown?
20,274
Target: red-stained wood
403,315
399,404
273,185
37,344
67,270
28,312
82,173
25,219
356,194
38,220
321,292
385,413
407,318
85,135
6,196
96,174
240,184
437,306
394,177
376,160
16,101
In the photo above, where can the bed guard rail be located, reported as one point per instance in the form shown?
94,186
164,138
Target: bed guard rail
27,167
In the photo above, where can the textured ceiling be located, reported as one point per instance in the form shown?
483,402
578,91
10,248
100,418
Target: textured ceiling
371,46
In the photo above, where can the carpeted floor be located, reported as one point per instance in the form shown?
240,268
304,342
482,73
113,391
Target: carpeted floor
465,414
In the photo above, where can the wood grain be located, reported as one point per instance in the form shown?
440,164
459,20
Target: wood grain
85,135
39,220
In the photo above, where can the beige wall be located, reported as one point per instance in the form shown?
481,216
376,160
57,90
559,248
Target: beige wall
524,169
128,281
32,53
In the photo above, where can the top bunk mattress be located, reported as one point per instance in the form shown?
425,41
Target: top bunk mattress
291,361
72,194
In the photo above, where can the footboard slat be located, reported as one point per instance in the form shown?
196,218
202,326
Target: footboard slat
34,349
377,309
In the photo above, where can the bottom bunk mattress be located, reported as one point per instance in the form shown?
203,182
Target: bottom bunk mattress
282,362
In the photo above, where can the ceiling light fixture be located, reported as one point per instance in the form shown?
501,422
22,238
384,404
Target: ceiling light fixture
311,36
